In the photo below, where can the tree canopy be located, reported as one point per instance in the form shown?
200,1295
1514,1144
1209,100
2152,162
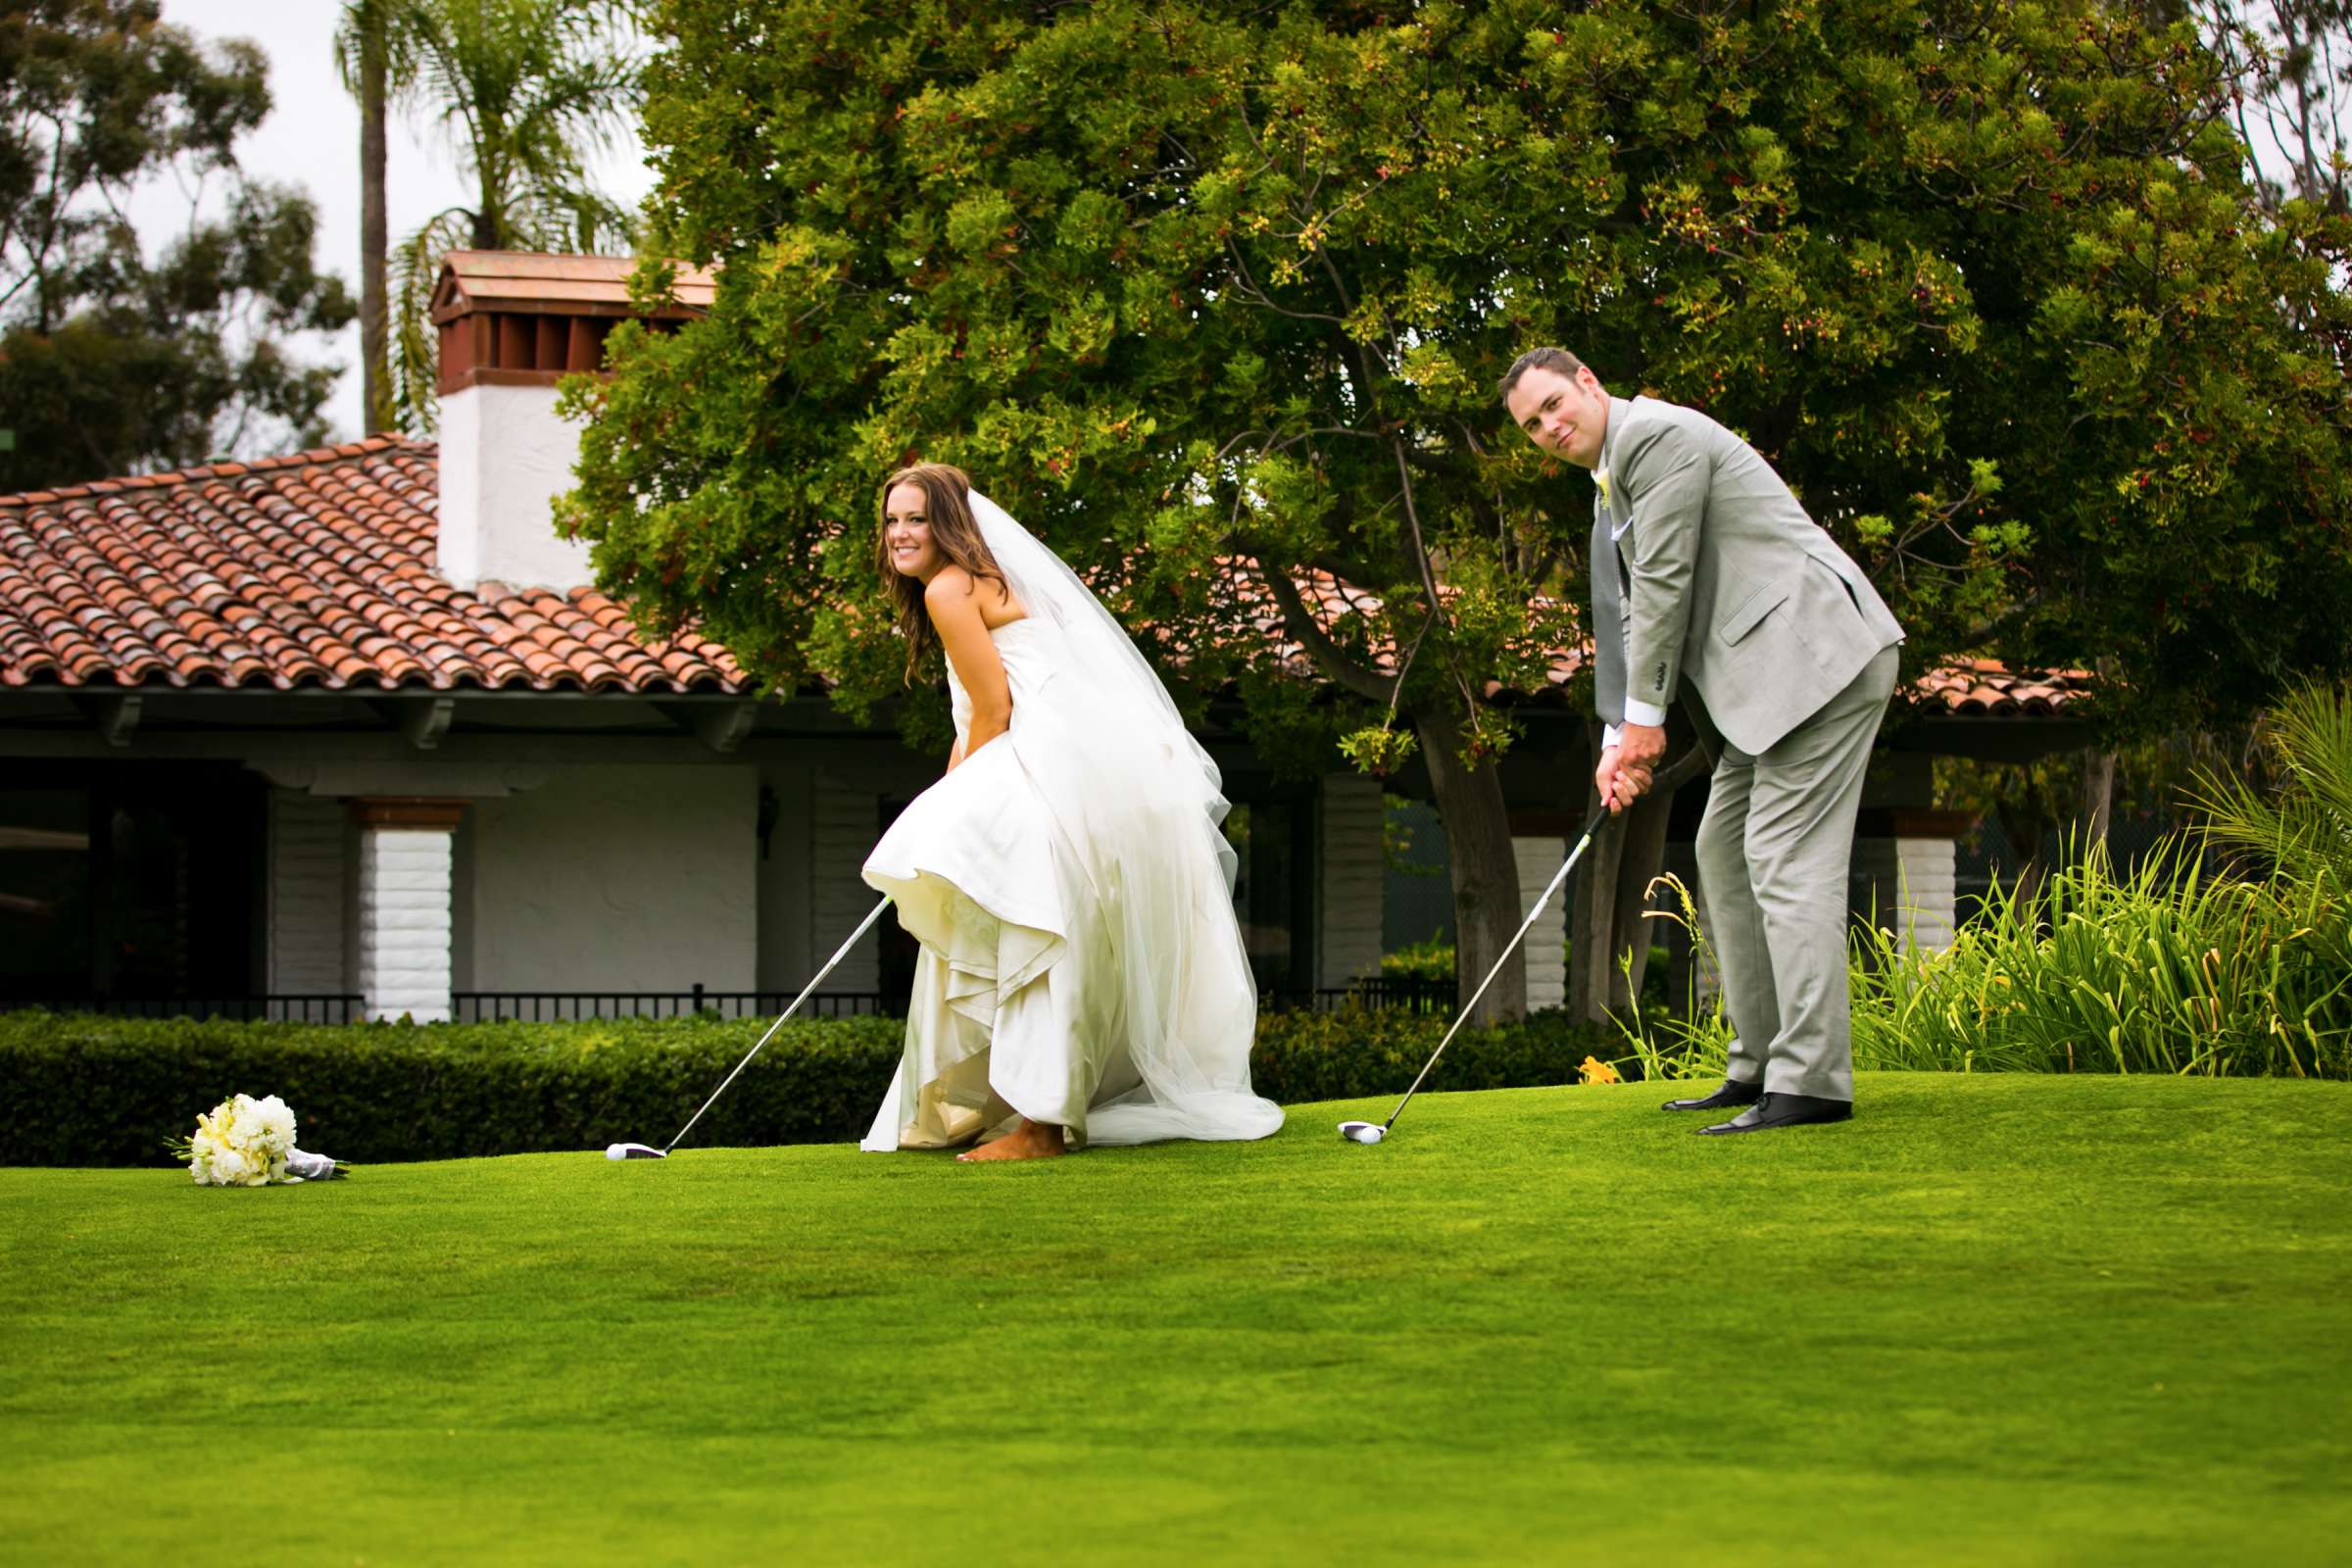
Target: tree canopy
1190,286
111,362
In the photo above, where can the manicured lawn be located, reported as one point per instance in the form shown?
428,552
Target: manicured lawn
1996,1319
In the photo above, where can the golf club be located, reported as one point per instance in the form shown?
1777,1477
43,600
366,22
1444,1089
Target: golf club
1372,1132
648,1151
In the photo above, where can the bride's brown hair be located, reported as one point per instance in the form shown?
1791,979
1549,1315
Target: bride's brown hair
954,531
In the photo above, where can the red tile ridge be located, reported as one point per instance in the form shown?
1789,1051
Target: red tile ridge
312,456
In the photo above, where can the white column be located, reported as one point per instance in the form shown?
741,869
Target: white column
1350,876
306,898
401,915
1545,951
1912,881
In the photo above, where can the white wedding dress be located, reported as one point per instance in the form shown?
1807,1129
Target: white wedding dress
1080,962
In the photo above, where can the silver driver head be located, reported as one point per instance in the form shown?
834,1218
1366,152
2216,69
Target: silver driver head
633,1151
1362,1132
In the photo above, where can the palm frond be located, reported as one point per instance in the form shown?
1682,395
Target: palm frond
2303,830
416,266
524,91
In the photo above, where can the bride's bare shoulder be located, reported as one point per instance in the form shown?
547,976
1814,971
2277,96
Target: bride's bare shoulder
954,586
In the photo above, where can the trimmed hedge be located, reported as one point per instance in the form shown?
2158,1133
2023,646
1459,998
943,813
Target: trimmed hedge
112,1090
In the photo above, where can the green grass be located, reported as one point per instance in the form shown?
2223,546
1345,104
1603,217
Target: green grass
2010,1320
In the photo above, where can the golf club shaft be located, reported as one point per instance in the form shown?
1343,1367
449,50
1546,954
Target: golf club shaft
1462,1016
839,954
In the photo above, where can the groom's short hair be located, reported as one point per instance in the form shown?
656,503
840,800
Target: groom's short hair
1546,358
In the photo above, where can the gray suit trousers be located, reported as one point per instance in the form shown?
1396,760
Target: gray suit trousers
1775,851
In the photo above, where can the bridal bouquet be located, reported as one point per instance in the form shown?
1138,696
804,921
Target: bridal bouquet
244,1142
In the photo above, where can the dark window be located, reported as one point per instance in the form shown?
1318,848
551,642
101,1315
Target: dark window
131,882
895,949
1273,889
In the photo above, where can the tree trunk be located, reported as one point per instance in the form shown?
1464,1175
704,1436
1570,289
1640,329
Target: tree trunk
1613,890
1486,872
1593,919
2098,799
1642,858
2024,827
375,312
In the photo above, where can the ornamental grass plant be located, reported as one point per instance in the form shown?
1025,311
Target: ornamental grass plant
2172,968
2226,954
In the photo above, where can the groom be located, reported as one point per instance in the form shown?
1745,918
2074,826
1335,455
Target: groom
1711,584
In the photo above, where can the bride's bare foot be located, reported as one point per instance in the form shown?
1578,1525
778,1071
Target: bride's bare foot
1029,1140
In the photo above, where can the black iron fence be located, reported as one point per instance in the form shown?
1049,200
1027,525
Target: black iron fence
564,1007
1385,993
277,1006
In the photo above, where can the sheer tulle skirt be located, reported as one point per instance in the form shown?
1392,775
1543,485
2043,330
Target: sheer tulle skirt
1080,962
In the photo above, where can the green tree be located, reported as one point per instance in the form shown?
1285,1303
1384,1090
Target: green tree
109,362
1194,287
525,90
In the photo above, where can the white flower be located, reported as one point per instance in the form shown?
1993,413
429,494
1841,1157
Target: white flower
242,1142
270,1123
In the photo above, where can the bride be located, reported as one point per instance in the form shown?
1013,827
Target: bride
1081,977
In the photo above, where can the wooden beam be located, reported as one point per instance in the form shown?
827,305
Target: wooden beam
721,726
116,715
422,720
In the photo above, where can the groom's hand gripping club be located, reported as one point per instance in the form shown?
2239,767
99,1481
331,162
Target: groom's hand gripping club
1640,748
1618,785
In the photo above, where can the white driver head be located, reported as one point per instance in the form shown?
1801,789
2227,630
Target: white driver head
633,1151
1362,1132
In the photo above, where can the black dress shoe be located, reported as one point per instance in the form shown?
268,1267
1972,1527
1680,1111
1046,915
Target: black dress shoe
1733,1094
1785,1110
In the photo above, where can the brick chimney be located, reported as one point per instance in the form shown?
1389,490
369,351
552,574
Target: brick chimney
512,323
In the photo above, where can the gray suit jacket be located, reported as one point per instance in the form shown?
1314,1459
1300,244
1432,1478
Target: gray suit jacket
1725,582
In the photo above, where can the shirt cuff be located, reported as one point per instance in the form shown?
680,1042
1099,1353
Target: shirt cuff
1640,713
1610,735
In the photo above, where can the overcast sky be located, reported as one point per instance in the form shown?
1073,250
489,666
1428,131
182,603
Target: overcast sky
312,139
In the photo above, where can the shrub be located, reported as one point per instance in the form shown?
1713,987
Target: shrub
1353,1053
1433,960
112,1090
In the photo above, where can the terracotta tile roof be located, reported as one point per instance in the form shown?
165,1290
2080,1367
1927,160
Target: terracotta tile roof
311,571
315,571
1987,688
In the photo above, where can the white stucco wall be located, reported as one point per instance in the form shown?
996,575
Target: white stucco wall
308,861
505,455
617,878
1350,879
